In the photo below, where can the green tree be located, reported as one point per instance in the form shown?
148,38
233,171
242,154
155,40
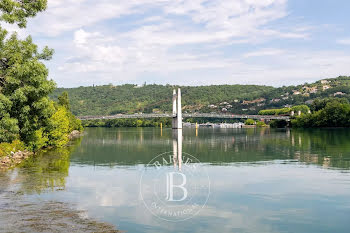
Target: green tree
8,126
302,108
330,113
63,100
260,124
249,122
17,11
58,128
25,84
74,123
25,107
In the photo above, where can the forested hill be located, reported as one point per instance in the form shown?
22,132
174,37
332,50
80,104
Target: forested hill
109,99
104,100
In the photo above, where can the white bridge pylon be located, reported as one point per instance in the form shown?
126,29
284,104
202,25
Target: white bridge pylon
177,110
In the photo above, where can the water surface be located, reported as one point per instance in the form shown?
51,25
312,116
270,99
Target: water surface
262,180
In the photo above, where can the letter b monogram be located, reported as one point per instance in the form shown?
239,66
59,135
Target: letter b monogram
170,186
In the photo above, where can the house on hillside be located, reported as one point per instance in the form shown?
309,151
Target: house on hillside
339,93
275,100
325,87
311,90
324,81
296,92
246,102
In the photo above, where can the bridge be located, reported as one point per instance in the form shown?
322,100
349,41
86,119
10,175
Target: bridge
177,114
194,115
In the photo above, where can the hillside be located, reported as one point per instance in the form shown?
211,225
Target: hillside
109,99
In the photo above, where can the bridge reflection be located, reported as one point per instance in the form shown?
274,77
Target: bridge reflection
177,148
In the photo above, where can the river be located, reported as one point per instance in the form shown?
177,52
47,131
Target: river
250,180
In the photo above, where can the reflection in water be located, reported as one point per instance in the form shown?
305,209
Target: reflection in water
177,148
47,170
324,147
262,180
44,172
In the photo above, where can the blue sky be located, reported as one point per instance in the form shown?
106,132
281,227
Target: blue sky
194,42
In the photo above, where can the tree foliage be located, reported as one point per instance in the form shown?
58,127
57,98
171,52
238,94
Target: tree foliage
285,111
166,122
25,86
329,113
26,111
281,111
17,11
249,122
109,100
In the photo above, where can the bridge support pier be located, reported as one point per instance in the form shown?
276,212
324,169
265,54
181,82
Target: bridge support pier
177,110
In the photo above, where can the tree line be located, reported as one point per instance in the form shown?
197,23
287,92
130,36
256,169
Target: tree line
129,98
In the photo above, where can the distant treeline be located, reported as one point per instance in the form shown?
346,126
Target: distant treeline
238,99
156,122
330,112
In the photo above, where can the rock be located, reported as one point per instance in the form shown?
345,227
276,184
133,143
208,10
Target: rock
14,159
74,134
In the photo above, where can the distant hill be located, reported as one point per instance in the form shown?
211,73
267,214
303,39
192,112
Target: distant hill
109,99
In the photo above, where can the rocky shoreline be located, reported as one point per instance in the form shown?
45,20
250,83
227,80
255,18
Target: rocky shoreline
74,134
14,159
17,157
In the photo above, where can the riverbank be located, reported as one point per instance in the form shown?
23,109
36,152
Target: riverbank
20,213
17,156
14,159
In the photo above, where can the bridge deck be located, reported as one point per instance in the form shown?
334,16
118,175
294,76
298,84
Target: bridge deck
198,115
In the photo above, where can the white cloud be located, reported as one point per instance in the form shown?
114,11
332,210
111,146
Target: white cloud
264,52
344,41
174,41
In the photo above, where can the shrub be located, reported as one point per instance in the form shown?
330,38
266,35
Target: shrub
278,124
303,108
335,113
250,122
59,128
260,124
280,111
7,148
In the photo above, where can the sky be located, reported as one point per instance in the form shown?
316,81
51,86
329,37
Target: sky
193,42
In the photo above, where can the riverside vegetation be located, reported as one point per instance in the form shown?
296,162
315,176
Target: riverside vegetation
29,119
328,112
